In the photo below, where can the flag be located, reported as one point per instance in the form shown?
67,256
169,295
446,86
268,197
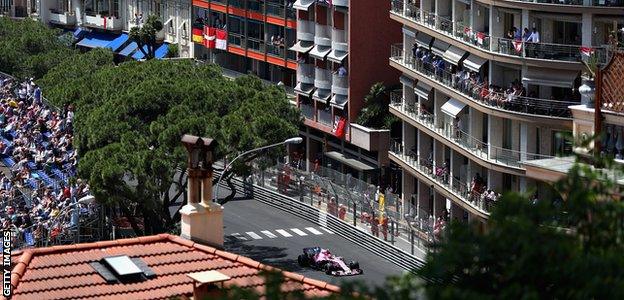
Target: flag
198,35
104,21
221,42
339,127
209,40
587,51
467,30
517,46
480,37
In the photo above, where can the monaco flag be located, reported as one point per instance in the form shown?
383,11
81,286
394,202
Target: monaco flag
480,37
587,51
221,42
517,45
209,40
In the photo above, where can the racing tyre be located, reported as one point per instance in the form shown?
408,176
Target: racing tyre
301,259
327,267
354,265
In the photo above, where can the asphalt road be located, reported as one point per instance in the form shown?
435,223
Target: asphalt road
258,231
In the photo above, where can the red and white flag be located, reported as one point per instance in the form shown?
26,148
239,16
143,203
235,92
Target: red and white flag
480,37
517,46
209,37
221,42
587,51
104,21
339,126
467,30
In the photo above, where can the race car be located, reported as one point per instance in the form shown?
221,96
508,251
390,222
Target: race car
322,259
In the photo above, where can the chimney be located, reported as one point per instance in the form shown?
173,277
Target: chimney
208,284
202,219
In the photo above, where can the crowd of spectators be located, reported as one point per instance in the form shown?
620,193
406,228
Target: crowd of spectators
37,187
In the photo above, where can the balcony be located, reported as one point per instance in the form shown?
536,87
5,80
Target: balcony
62,18
516,107
322,41
305,80
344,3
322,78
481,152
305,30
325,117
370,139
340,84
491,45
255,44
107,23
275,9
307,111
339,45
450,187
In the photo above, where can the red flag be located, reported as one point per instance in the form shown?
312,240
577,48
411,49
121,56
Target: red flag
480,37
467,30
198,36
221,42
104,21
587,51
209,40
339,127
518,46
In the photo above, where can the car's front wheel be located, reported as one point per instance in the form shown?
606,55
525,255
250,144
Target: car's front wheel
302,260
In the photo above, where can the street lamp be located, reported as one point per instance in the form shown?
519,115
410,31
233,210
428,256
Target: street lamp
293,140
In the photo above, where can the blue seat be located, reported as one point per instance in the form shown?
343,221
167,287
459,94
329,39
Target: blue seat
32,165
8,161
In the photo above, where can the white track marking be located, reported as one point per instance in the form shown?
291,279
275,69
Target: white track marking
253,235
269,234
327,230
299,232
313,230
283,232
238,236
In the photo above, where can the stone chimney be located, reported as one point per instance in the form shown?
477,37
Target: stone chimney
202,219
208,284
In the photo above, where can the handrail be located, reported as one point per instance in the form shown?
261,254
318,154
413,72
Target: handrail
482,94
496,154
481,40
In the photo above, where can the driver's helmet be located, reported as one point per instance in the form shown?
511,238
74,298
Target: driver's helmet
326,252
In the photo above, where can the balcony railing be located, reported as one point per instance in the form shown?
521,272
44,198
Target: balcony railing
322,35
275,50
481,94
111,23
236,39
324,117
305,73
499,45
443,180
322,78
478,148
340,84
255,44
608,3
305,30
62,17
307,111
275,9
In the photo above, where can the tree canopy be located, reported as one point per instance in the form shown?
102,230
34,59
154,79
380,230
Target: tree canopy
130,119
375,113
29,48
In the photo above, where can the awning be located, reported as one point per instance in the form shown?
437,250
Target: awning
337,56
474,63
304,89
339,101
353,163
422,90
96,40
407,31
423,40
161,51
322,95
550,77
118,42
439,47
138,54
320,52
303,4
79,33
406,81
453,107
454,55
302,46
129,49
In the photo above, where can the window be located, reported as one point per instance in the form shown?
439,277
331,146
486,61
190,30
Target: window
561,143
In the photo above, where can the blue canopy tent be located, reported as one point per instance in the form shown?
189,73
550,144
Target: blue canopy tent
161,52
138,54
96,40
118,42
128,50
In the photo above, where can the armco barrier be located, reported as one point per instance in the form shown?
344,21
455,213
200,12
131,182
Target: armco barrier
354,234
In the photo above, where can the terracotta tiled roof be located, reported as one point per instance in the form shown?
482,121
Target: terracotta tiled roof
63,272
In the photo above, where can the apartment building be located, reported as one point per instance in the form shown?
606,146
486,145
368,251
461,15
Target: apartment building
105,23
258,35
339,45
486,87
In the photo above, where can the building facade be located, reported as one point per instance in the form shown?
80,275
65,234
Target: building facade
258,35
486,87
110,19
338,44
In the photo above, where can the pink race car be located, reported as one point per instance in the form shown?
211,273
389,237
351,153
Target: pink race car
322,259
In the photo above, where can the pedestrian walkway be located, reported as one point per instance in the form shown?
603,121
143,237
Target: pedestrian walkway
280,233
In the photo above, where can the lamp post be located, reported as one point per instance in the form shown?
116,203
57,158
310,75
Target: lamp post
294,140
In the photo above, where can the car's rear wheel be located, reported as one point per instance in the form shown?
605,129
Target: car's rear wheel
354,265
302,260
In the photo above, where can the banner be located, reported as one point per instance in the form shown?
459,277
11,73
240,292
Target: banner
198,36
339,127
221,42
209,37
480,38
587,51
517,46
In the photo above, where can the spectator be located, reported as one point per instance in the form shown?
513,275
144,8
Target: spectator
534,37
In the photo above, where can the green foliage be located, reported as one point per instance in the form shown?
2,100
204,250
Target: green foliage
173,51
568,249
30,49
375,113
130,119
145,35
